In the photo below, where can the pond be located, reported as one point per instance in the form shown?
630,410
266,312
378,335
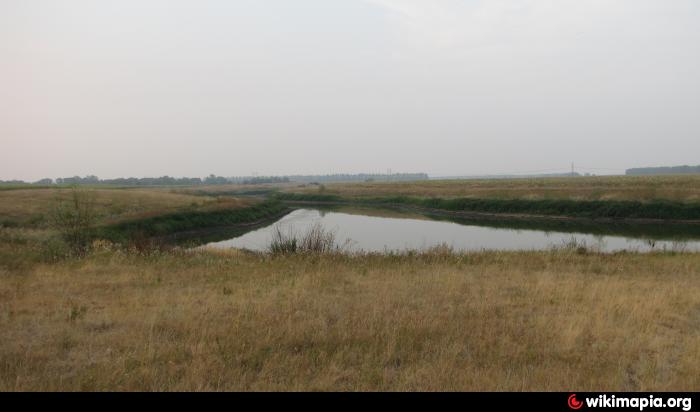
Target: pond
382,230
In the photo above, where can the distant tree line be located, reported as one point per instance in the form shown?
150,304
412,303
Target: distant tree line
673,170
129,181
259,180
218,180
12,182
362,177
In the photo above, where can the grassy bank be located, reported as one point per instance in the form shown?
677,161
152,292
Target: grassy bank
591,209
123,215
33,208
434,321
196,220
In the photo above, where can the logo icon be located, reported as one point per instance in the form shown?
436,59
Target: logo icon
574,403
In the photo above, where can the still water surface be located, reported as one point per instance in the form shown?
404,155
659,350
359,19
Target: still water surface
374,231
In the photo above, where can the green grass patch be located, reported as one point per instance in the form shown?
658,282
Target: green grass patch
174,223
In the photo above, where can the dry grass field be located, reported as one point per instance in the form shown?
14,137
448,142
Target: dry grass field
25,204
676,188
130,319
434,321
32,207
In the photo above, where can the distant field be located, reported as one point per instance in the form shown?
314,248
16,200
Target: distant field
643,188
235,188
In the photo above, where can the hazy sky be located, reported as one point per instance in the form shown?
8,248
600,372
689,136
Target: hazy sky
448,87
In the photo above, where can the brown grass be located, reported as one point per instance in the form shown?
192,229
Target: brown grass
678,188
233,187
437,321
33,206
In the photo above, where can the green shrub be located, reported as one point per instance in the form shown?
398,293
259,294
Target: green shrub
74,218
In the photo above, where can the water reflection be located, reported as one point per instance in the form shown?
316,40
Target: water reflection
381,230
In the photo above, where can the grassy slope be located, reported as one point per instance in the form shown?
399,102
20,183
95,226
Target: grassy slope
202,218
143,212
32,207
489,321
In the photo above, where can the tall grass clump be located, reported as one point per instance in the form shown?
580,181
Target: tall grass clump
74,219
316,239
282,243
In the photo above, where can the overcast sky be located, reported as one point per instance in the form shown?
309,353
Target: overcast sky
447,87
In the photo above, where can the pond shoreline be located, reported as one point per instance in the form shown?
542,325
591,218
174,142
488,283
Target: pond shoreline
360,229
